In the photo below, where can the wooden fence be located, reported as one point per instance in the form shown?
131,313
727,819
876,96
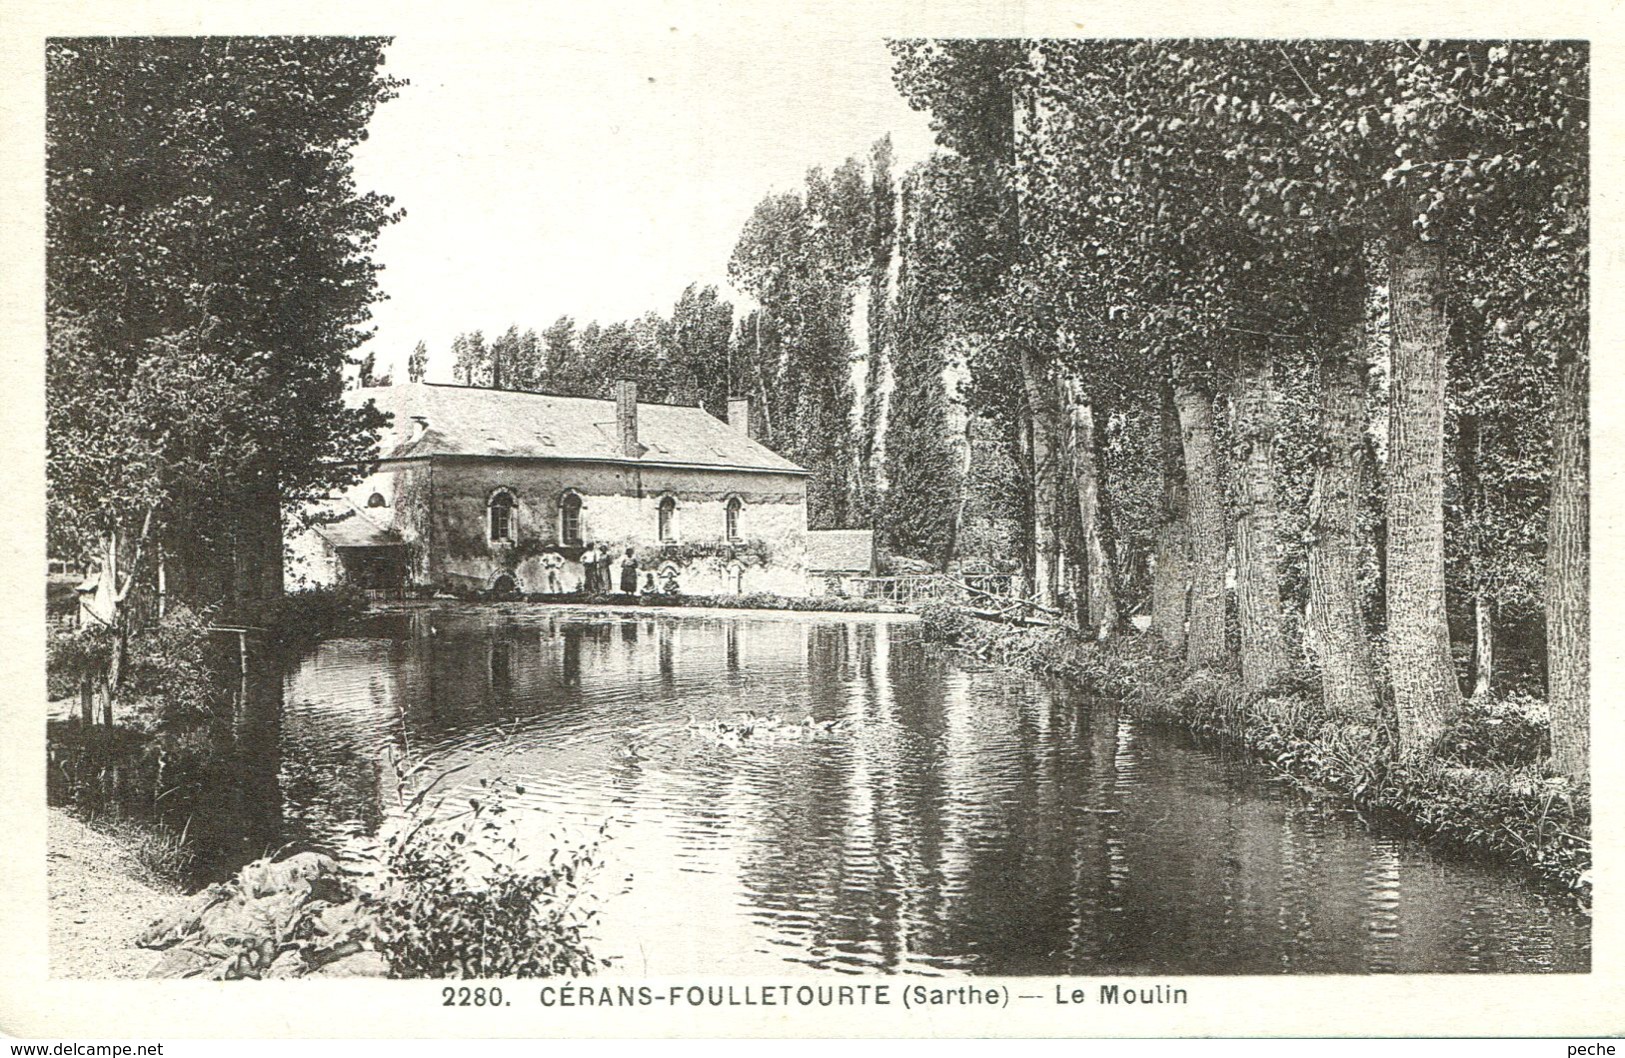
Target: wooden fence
909,588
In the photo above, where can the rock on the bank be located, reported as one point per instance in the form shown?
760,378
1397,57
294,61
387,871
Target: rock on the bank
277,918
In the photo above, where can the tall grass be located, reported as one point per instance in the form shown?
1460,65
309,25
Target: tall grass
160,855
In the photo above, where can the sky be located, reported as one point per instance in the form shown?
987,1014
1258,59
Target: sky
598,176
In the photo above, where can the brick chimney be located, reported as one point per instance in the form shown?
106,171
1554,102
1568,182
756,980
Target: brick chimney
739,415
626,417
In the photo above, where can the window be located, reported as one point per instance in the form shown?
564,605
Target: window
570,519
735,506
376,500
668,520
501,515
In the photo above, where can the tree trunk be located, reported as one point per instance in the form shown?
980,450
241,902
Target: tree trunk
1045,420
1424,678
107,691
104,601
1483,642
1467,330
1469,456
1258,561
957,525
1098,576
1568,572
1170,578
1110,558
1205,644
257,550
1021,445
108,605
1337,626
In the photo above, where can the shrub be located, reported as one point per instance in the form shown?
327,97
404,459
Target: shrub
306,615
75,655
462,902
162,855
99,768
1511,730
1517,812
166,680
945,623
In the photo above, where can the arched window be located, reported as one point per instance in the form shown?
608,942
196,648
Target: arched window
732,511
501,515
570,518
377,500
668,519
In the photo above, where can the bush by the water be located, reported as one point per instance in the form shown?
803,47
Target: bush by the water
1512,729
1486,792
463,901
455,899
163,854
72,655
167,680
1050,651
305,615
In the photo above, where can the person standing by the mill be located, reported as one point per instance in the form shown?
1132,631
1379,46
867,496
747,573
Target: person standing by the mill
589,569
629,573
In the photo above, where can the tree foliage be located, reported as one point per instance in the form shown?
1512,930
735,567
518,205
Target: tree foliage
1221,215
209,271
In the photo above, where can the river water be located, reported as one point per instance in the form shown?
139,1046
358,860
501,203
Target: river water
956,818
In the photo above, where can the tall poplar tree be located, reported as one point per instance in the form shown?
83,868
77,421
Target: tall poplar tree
208,273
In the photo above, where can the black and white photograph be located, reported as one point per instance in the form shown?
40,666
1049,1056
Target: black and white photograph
937,514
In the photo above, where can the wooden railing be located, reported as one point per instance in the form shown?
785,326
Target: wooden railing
909,588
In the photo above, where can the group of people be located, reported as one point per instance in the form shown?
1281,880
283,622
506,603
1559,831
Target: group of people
596,562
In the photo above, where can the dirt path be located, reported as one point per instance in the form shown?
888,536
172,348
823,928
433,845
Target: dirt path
97,904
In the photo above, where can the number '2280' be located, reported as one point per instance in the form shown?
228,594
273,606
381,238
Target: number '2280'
471,997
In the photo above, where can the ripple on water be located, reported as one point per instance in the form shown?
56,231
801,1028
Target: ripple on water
968,819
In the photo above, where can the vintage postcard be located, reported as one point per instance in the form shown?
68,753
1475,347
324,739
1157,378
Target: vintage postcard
724,520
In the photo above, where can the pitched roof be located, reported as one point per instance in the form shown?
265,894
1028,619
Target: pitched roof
354,527
471,421
843,550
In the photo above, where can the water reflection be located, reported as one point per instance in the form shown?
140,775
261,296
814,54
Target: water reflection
962,820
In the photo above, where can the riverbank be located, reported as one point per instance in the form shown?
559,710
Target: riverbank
100,901
715,606
1510,810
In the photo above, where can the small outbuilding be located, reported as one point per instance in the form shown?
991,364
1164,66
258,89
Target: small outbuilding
836,556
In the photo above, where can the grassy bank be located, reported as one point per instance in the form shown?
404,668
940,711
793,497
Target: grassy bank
1485,792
